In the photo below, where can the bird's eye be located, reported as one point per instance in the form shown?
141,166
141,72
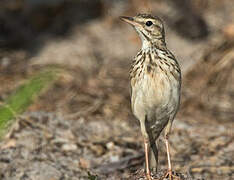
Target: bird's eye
148,23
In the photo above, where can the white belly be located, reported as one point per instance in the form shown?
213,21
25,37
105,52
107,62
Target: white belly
158,96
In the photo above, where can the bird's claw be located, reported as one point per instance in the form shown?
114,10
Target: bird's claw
148,176
169,174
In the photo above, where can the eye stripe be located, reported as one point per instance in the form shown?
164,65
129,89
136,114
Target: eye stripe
157,26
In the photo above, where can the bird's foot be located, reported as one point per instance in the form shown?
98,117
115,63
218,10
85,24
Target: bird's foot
171,175
148,176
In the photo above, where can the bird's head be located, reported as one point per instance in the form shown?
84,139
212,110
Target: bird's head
150,28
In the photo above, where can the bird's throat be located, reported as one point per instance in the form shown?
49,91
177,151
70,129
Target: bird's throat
158,44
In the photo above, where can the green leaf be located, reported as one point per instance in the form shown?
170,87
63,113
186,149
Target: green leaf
24,96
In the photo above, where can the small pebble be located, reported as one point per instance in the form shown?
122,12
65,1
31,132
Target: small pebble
69,147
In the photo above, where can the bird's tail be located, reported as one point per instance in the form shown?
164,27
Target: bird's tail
153,157
153,154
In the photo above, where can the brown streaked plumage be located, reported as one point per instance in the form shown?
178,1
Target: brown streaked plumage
155,79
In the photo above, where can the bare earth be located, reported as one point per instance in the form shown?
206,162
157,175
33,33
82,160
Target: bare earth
83,128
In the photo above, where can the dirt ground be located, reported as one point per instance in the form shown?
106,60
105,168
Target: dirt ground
82,127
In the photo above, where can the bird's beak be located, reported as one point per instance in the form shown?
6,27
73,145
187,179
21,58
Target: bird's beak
129,20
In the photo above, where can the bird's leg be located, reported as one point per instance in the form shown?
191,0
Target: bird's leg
146,145
169,171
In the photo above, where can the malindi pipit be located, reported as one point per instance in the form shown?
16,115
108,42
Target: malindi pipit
155,79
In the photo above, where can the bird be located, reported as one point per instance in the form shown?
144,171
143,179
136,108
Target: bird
155,88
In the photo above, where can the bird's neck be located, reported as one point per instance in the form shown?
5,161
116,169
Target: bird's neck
158,44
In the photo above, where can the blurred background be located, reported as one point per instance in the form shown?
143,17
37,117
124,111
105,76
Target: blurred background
81,127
